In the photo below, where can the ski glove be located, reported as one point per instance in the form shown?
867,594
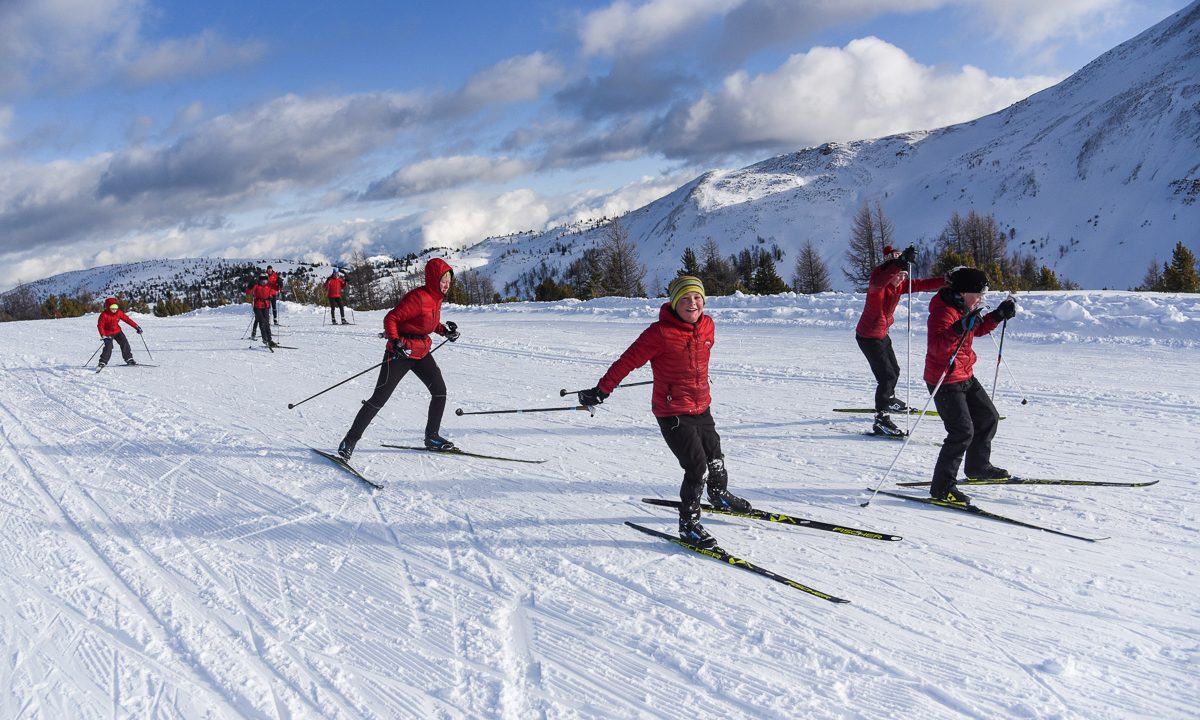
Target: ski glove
1004,311
966,322
396,350
593,397
452,333
909,256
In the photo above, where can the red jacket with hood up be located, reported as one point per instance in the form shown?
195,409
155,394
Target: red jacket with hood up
879,312
678,353
419,312
109,323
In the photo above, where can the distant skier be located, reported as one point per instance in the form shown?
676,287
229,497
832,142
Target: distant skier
109,325
276,288
333,290
955,314
261,293
677,347
407,327
884,289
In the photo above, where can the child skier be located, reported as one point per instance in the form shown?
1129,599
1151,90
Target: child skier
886,285
955,319
677,347
109,325
407,329
260,292
333,290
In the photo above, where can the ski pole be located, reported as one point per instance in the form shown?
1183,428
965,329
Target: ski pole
908,357
564,392
145,346
292,405
590,410
999,356
1001,361
942,379
89,360
248,326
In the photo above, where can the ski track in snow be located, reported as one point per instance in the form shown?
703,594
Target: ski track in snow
174,549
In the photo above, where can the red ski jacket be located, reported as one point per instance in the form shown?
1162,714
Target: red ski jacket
273,281
882,298
945,309
109,323
333,287
261,294
678,353
419,313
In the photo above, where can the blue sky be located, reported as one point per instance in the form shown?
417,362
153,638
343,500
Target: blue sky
135,129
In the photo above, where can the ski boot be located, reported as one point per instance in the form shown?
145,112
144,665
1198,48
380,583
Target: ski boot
345,322
718,495
884,426
896,405
691,531
951,495
991,472
131,361
345,449
437,443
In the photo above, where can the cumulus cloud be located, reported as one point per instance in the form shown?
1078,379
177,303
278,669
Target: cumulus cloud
446,172
626,27
1028,23
868,89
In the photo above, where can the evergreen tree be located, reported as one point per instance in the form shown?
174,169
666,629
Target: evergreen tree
623,272
718,274
766,280
1047,280
811,274
1153,278
691,266
1180,275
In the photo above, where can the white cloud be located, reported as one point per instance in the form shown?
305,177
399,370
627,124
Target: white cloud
515,79
201,54
1028,23
637,29
468,218
446,172
868,89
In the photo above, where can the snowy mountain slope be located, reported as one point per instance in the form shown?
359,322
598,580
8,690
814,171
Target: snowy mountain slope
173,549
1096,175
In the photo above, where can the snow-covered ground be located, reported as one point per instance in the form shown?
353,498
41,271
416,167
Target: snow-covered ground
172,548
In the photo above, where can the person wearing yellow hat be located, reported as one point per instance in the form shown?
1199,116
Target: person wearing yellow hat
677,348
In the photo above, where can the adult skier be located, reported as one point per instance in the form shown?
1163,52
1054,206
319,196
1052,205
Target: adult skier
677,347
333,290
276,288
955,319
260,293
109,325
887,284
407,327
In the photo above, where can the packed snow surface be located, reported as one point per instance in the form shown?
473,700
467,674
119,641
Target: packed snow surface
173,548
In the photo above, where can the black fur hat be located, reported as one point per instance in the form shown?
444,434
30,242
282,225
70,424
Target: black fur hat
967,280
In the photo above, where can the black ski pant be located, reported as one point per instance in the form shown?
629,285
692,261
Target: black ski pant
971,420
106,353
275,308
262,321
390,374
883,363
695,442
337,301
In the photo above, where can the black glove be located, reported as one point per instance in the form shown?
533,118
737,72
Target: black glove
966,322
592,397
909,256
1004,311
396,350
452,333
139,330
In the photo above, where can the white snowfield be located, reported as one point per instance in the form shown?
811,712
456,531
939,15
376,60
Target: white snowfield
173,548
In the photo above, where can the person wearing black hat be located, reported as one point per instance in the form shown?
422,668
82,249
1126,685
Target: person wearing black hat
884,289
955,319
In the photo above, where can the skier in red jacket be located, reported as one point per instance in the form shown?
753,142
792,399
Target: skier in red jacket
884,289
276,287
407,327
333,290
261,293
677,348
955,319
109,325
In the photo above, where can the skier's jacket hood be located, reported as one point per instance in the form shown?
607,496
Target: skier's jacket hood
419,312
